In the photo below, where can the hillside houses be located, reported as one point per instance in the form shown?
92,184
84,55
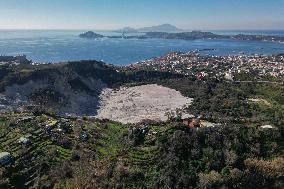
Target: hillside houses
220,67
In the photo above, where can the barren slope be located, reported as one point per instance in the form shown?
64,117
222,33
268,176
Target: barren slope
132,105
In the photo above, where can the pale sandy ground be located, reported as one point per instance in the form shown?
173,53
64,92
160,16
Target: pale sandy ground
132,105
256,100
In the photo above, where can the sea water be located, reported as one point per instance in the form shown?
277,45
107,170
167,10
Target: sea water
60,46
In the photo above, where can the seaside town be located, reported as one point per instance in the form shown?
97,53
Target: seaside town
260,67
220,67
14,60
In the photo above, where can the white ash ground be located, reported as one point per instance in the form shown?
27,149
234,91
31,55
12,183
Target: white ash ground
134,104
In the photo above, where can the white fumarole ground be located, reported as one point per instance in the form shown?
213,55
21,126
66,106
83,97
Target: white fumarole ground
132,105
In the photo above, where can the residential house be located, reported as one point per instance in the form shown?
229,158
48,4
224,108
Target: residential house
5,158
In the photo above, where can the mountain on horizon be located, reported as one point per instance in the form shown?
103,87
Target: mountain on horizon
158,28
127,30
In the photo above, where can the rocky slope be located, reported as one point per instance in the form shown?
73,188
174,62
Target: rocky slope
64,88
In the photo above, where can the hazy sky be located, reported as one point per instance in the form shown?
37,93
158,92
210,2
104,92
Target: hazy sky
111,14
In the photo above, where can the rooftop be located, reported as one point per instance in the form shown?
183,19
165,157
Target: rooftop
4,154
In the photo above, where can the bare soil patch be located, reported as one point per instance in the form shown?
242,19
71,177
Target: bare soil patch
134,104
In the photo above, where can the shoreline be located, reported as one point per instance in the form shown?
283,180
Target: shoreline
198,52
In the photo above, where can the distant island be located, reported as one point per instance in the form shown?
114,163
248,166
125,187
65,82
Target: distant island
185,35
193,35
90,35
158,28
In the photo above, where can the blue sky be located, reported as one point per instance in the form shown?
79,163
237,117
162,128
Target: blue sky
112,14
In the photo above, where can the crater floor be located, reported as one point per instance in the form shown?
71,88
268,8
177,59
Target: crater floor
134,104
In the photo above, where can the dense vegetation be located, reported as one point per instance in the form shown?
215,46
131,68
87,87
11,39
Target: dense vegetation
224,102
101,154
87,153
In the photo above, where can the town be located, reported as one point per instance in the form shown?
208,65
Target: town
14,60
263,67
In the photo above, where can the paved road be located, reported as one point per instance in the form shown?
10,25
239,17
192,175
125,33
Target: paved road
268,82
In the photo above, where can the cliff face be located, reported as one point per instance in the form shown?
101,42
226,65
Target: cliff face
60,97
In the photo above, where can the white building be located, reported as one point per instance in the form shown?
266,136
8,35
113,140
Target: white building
267,127
5,158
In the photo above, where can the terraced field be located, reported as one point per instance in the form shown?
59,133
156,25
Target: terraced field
28,159
51,144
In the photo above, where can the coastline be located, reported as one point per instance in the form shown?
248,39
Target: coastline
61,46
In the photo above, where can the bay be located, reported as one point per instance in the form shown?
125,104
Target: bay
65,45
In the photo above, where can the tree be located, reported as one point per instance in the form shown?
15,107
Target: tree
210,180
265,173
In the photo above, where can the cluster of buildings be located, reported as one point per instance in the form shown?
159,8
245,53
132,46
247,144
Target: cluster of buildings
19,59
201,66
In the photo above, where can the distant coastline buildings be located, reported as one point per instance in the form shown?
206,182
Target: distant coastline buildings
19,59
217,67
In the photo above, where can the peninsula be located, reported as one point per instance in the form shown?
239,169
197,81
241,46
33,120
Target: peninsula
193,35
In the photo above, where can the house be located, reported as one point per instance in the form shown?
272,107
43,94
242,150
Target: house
25,140
187,116
191,122
22,59
84,136
19,59
195,123
5,158
50,125
267,127
209,124
23,119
